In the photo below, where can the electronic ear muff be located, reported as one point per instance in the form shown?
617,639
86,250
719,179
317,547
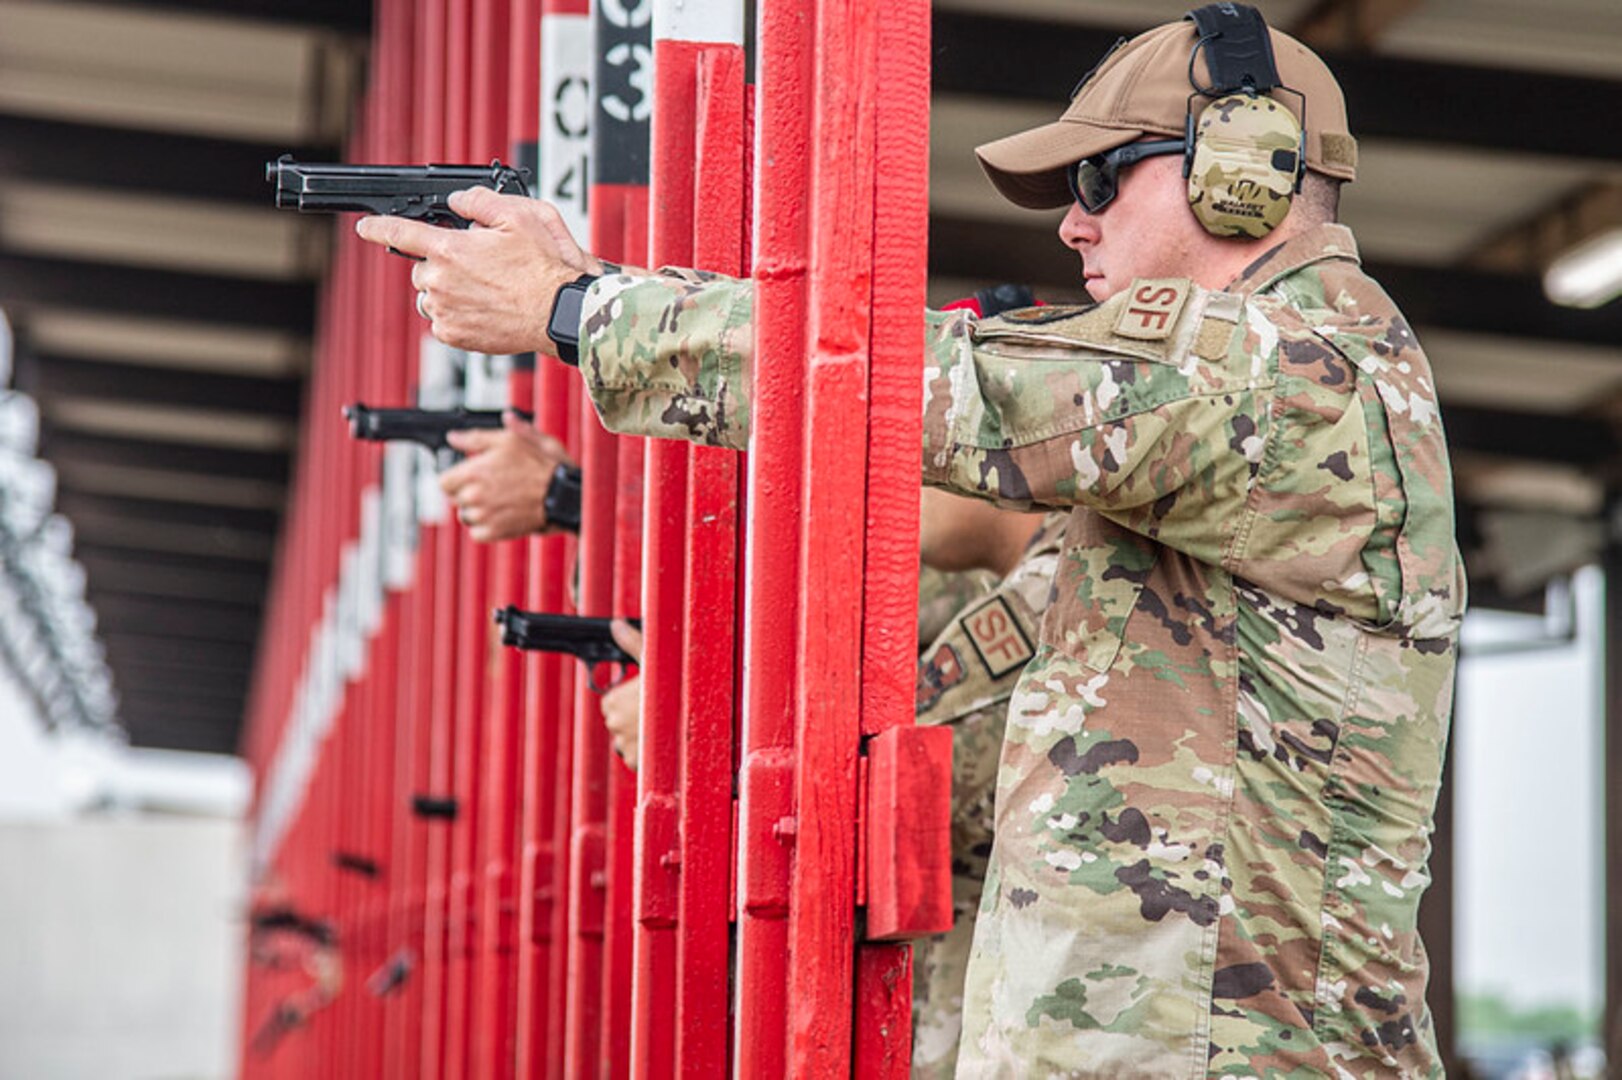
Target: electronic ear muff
1245,156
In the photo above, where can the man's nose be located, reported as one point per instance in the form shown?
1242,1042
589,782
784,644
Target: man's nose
1078,228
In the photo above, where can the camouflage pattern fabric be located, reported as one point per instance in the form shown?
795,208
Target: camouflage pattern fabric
1234,186
1214,799
942,595
965,677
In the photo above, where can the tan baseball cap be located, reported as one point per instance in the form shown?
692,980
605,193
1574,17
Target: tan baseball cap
1142,88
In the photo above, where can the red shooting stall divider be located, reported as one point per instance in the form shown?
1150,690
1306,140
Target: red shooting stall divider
455,878
599,970
552,55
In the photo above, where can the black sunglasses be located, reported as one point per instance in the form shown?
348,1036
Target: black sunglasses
1093,181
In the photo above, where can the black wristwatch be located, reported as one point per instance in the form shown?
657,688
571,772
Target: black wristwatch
564,325
562,502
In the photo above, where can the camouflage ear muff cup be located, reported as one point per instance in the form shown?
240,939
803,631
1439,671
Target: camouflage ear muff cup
1246,150
1245,165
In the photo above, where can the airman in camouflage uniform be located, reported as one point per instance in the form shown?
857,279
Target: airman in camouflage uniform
942,595
965,678
1214,797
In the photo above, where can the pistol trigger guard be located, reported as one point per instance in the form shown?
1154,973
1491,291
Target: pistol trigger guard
591,677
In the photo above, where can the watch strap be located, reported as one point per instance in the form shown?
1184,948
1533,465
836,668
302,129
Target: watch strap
562,502
563,325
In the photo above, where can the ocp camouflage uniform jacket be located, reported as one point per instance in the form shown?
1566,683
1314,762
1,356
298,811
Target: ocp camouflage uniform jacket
966,675
1215,792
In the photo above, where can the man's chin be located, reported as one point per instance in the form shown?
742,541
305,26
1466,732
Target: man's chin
1097,288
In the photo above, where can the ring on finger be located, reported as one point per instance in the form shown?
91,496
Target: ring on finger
422,296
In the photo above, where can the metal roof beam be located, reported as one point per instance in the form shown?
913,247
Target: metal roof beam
77,448
27,282
1391,97
144,576
150,162
153,648
194,619
1566,440
215,533
1350,24
1567,221
224,692
114,508
154,723
42,376
351,16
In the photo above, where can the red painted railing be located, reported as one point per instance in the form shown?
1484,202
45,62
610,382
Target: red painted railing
455,876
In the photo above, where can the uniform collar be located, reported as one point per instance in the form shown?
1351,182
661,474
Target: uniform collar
1333,241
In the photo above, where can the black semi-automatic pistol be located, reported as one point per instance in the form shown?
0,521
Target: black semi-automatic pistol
430,428
587,638
426,427
418,192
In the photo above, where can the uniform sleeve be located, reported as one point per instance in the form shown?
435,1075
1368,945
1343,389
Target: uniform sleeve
1060,411
1071,413
670,354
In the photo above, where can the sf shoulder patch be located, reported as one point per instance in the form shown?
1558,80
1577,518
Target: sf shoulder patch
1151,308
997,637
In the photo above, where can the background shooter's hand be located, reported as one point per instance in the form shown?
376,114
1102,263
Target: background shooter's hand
488,288
622,704
500,488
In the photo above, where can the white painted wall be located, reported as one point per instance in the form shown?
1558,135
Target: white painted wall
121,943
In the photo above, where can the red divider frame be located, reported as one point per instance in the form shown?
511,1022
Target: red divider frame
544,941
772,552
708,682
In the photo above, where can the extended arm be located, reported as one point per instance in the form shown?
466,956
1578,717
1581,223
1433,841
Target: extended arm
1125,407
1055,409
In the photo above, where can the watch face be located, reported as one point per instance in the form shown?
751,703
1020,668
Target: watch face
564,326
566,313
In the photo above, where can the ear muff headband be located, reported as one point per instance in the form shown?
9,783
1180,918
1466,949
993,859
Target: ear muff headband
1246,154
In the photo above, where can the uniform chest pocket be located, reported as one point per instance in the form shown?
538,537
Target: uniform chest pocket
1102,570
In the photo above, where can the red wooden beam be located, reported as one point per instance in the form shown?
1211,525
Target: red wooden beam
772,601
619,232
712,544
909,886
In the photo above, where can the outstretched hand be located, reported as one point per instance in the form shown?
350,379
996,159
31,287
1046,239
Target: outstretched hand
488,288
622,705
500,489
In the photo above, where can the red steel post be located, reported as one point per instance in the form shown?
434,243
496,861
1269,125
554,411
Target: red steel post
473,646
822,912
713,36
658,815
438,558
620,137
900,223
596,1019
586,851
772,598
560,105
495,1015
471,628
493,883
397,976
